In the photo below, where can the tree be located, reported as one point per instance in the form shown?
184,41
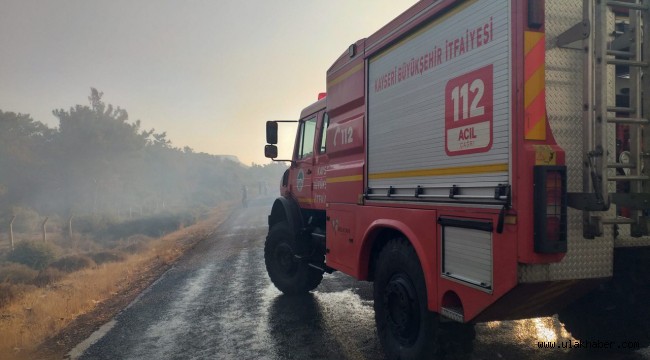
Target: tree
95,145
23,143
98,161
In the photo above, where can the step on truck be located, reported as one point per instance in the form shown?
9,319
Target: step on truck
478,160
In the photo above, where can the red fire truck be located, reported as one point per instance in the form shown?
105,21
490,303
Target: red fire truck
465,160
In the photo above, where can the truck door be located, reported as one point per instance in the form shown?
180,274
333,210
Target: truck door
302,171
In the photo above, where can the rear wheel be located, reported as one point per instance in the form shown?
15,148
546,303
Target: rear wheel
289,274
406,328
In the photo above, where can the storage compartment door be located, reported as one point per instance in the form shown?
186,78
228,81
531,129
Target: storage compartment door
467,251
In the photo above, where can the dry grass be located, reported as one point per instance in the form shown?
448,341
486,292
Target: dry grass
40,313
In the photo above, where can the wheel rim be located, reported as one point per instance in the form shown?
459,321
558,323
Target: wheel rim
287,263
402,309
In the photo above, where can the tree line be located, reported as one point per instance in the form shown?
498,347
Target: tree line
97,161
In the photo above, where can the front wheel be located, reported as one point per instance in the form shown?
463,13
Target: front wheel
288,273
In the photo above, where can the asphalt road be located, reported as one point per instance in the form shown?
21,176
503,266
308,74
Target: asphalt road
217,302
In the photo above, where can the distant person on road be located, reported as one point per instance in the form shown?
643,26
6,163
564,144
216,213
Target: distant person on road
244,197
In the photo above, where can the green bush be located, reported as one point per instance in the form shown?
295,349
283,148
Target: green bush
72,263
48,276
14,273
10,292
7,294
154,226
135,244
36,255
103,257
91,224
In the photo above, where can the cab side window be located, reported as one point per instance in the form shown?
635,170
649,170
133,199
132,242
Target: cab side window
307,136
323,134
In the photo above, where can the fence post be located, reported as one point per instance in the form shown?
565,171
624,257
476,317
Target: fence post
44,230
11,231
70,226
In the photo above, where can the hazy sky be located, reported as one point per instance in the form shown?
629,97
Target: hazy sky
210,73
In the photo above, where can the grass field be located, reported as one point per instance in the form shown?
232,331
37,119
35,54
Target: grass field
37,313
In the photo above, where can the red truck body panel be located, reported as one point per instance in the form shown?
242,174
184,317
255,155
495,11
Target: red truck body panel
337,179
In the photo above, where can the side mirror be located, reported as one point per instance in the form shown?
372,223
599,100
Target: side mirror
271,133
271,151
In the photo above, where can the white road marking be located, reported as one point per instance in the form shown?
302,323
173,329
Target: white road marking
93,338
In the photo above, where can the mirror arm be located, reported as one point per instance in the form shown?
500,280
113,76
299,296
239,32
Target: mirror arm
280,160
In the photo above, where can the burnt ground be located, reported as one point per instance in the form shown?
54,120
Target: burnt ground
217,302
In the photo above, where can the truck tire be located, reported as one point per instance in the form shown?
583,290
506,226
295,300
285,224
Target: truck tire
406,328
289,274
